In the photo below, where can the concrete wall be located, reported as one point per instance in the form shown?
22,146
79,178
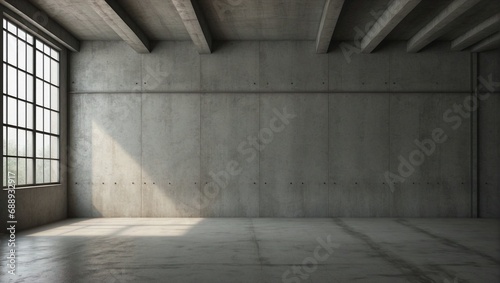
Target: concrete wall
268,129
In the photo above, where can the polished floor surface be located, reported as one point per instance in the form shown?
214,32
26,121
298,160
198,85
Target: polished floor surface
257,250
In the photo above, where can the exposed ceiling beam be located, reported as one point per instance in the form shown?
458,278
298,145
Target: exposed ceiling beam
435,28
120,21
490,43
477,33
40,20
331,12
195,23
392,16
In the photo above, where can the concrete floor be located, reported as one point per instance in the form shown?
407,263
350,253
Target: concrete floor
258,250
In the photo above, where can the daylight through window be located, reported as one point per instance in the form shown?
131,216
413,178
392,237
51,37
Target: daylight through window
30,108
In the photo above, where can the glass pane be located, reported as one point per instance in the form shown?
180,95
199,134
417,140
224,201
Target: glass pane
46,146
29,171
21,114
12,111
46,120
21,142
39,44
11,49
46,171
11,141
54,176
54,144
4,169
54,119
21,85
54,98
4,141
46,95
39,145
12,81
46,68
29,115
55,54
4,118
21,171
39,92
29,39
21,34
54,71
12,28
46,49
29,144
4,46
39,119
12,166
39,64
4,78
29,59
29,88
39,171
21,55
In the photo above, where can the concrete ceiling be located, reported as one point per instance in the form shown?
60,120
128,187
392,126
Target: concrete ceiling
158,18
260,19
263,19
78,17
428,9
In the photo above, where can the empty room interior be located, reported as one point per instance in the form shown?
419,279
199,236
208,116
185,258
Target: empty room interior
250,141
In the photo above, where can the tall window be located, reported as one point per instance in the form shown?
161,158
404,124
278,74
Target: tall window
30,108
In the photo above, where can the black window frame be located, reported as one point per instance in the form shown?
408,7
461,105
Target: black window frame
53,158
